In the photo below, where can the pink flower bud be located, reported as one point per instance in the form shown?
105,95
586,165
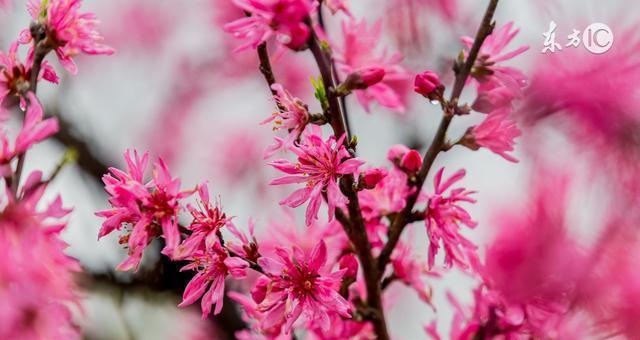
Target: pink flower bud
411,161
350,263
371,75
371,177
396,152
363,78
428,84
298,36
259,291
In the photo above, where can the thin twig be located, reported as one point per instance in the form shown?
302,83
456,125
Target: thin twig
401,220
265,66
40,51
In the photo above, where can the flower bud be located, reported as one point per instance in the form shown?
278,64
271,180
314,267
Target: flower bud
396,152
259,291
411,161
363,78
350,263
494,99
371,177
428,84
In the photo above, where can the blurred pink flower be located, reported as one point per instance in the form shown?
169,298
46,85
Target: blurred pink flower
338,5
151,208
292,115
342,328
34,130
298,287
493,99
496,133
284,231
595,97
68,31
213,264
283,19
388,196
141,25
320,165
443,218
359,51
408,268
533,267
37,280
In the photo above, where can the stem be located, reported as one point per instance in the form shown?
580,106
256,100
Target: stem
324,65
336,78
265,66
438,144
40,51
353,225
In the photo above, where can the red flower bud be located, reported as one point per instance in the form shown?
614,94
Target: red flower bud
428,84
350,263
363,78
371,177
371,75
411,161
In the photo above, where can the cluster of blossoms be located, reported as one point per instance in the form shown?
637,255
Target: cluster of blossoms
37,279
497,87
333,276
324,280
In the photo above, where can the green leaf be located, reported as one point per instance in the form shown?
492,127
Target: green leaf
320,93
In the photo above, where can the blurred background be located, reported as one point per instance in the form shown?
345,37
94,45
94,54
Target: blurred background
175,88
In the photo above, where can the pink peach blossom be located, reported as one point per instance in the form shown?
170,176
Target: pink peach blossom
292,115
282,19
359,51
68,31
150,208
320,164
298,287
212,263
443,218
497,133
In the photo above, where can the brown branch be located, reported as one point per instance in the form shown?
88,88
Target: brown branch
40,51
265,66
388,281
354,225
324,65
438,144
88,160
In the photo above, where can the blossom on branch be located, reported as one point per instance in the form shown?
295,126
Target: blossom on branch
292,115
496,133
297,287
443,218
15,77
282,19
34,130
212,264
359,52
487,69
68,31
320,164
146,210
37,280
